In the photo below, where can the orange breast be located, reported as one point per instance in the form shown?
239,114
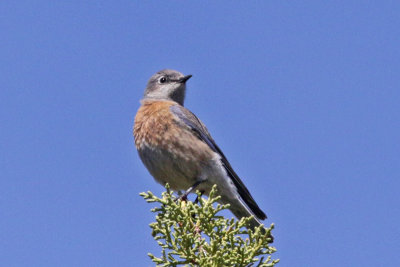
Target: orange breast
157,127
152,121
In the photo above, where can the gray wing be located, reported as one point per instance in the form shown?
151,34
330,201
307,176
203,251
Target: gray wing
199,129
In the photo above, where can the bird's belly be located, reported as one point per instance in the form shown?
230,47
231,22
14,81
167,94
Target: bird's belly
167,166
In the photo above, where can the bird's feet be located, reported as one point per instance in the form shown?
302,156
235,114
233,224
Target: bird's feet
197,198
190,190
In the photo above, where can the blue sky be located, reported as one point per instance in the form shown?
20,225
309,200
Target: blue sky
302,97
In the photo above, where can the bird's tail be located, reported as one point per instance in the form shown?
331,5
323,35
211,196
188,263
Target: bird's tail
240,210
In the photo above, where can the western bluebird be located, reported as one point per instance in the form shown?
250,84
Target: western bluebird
177,148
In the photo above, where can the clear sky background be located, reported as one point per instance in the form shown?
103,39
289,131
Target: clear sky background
302,97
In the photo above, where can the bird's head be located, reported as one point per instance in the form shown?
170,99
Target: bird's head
167,85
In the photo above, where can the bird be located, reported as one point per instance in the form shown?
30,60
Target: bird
176,147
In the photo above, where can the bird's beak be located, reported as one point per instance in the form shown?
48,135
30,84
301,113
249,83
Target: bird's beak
184,78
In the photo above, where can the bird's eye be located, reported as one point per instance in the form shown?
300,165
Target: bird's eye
162,80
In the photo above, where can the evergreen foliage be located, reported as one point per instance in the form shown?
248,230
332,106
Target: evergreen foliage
193,234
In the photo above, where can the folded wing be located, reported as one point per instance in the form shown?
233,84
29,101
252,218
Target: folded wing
199,130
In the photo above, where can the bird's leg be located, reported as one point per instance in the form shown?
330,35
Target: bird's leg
190,190
197,198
